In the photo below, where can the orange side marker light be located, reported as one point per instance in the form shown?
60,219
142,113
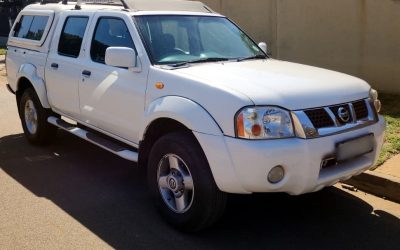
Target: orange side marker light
240,125
159,85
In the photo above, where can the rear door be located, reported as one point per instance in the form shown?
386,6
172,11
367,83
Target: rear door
63,71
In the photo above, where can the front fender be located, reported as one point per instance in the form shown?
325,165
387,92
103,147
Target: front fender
29,72
183,110
207,132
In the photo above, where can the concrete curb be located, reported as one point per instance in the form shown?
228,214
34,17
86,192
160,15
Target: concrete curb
378,184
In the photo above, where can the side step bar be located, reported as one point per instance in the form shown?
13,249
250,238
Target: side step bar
98,140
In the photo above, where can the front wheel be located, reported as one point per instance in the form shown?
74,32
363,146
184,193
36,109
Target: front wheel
181,183
34,119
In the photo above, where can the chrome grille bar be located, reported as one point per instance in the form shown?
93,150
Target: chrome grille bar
305,128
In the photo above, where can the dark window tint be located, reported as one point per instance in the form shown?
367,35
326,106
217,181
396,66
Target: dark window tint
72,35
31,27
110,32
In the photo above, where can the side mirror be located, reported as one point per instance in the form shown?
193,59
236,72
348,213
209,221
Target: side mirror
122,57
264,47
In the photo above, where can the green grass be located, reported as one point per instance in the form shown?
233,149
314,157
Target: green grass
3,50
391,112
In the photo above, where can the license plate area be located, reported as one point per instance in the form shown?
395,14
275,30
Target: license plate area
353,148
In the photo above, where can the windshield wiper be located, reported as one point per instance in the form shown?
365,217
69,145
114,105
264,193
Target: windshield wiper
251,57
202,60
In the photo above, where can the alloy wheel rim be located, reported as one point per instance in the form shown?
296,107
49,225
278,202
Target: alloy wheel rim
175,183
31,117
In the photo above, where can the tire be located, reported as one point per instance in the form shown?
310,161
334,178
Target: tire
203,203
34,119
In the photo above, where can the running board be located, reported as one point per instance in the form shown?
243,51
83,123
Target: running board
98,140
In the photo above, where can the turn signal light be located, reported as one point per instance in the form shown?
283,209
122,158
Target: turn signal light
159,85
240,125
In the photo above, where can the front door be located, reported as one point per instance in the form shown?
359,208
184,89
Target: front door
111,98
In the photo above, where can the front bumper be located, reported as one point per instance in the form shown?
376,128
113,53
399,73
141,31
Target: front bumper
242,166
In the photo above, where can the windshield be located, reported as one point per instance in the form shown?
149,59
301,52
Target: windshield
175,39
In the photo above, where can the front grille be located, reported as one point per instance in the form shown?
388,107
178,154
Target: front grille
361,110
319,118
324,121
335,111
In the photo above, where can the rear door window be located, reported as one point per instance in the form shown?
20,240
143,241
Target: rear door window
31,27
72,36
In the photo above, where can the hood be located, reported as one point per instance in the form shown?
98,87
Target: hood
273,82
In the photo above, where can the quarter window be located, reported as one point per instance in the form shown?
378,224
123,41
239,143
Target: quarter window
110,32
72,36
31,27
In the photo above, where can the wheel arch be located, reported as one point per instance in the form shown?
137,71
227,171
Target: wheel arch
27,77
185,111
170,114
156,129
220,163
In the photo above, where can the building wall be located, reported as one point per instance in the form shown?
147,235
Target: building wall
358,37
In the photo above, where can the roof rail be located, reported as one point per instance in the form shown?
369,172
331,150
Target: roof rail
53,1
143,5
168,5
79,2
105,2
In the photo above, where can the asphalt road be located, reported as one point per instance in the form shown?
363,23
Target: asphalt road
73,195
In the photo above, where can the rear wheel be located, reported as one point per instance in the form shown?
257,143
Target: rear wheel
34,119
181,183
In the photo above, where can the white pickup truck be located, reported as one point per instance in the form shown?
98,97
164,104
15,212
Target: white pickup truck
184,92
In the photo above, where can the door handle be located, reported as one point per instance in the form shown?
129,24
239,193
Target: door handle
86,73
54,65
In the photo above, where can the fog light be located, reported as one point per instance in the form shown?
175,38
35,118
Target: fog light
276,174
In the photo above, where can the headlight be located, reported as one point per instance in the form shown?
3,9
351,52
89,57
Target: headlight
264,123
373,95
